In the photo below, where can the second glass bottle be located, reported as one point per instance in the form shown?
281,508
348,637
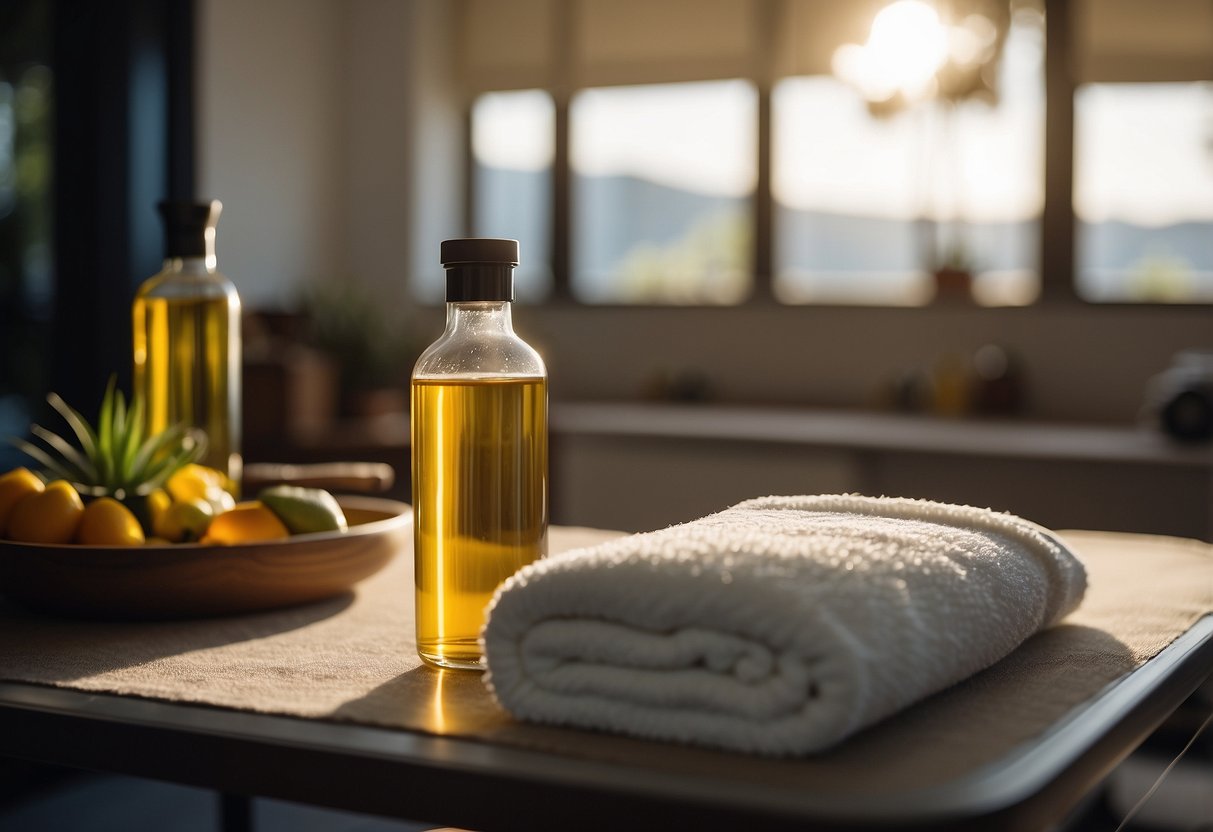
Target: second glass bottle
186,322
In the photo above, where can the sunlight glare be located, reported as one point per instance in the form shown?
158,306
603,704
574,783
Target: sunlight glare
906,47
972,42
881,167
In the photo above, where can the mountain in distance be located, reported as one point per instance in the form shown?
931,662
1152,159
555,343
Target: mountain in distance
614,216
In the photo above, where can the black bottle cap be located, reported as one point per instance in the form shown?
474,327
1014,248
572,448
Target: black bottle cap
479,268
189,227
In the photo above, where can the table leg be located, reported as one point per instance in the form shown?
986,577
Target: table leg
235,812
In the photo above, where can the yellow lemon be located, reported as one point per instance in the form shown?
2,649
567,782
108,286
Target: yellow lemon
106,522
49,516
183,521
192,482
248,522
157,503
14,486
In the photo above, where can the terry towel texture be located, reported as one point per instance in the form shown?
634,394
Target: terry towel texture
778,626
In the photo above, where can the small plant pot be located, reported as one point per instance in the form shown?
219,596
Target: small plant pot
953,285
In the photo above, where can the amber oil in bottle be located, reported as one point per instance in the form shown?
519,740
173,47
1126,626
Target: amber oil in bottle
480,460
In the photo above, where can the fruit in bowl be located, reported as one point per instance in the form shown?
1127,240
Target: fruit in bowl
120,486
106,522
48,515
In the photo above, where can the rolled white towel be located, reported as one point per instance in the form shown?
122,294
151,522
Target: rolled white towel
779,626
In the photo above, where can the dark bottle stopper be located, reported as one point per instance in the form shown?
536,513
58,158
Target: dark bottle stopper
479,268
189,228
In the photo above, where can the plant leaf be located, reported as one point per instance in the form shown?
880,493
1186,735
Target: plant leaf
169,467
153,448
51,464
86,473
119,423
117,437
118,455
133,438
105,426
79,425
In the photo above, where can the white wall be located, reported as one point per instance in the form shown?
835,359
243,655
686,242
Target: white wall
270,140
378,100
437,182
328,130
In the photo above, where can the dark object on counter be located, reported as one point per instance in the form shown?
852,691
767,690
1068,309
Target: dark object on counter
688,386
910,391
998,387
1189,416
1180,398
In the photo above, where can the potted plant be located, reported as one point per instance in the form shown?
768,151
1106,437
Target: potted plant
373,349
954,275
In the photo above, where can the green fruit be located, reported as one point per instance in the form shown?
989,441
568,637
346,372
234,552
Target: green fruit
304,510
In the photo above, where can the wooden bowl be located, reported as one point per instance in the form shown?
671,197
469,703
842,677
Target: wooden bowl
190,580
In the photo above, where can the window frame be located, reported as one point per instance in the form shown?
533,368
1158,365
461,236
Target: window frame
1056,259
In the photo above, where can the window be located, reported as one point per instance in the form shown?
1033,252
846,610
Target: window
935,175
868,205
663,176
848,196
1143,192
998,189
512,149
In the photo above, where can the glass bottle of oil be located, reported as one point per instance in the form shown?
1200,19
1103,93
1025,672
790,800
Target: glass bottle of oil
187,337
480,454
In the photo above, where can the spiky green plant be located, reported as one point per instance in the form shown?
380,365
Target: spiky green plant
115,458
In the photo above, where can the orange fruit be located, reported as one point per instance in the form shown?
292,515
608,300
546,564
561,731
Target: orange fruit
106,522
248,522
15,486
49,516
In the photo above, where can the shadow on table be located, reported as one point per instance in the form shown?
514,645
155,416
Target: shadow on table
946,737
979,719
44,649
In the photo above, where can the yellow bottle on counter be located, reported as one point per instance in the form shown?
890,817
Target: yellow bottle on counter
480,454
186,323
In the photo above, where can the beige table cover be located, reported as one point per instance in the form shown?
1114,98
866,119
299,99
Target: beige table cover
353,659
